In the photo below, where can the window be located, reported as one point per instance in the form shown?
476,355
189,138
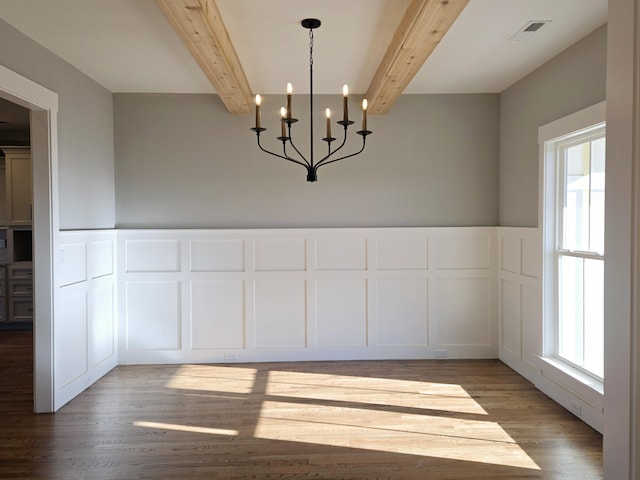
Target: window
579,251
573,230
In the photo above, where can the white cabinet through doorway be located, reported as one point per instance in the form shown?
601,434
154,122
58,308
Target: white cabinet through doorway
19,189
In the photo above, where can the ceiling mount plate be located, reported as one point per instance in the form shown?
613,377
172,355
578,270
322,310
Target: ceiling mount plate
311,23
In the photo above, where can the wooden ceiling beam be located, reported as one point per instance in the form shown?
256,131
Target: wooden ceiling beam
200,26
423,26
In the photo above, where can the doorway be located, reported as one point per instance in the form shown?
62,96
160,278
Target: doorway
43,106
16,254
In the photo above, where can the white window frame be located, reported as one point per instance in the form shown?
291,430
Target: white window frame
559,146
549,135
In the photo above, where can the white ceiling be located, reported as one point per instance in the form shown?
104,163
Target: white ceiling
128,45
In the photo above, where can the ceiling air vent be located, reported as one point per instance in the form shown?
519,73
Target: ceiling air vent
529,30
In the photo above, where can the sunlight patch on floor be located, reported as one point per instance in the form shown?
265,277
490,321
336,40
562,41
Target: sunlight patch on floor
185,428
428,419
411,434
371,391
214,379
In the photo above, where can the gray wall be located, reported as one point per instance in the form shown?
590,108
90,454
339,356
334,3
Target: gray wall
85,131
571,81
183,161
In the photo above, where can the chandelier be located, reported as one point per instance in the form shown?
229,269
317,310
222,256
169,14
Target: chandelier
287,120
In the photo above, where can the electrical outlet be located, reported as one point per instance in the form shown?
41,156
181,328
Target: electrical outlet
230,356
440,354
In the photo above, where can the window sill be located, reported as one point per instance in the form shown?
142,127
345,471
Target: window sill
587,381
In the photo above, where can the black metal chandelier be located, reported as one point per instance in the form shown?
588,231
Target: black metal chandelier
287,120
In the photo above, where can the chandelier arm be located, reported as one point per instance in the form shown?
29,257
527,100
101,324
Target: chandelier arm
330,154
306,162
342,158
285,157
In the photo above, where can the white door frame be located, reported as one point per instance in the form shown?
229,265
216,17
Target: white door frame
43,104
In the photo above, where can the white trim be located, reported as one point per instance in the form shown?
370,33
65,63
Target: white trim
44,106
590,116
578,123
622,345
557,163
587,380
635,327
561,384
26,93
635,305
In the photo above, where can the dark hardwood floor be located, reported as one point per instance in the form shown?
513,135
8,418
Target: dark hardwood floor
308,420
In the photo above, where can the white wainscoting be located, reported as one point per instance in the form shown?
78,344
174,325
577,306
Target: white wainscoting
521,332
520,299
306,294
220,296
85,311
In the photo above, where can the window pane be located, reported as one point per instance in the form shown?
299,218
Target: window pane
596,222
594,317
576,198
581,322
571,335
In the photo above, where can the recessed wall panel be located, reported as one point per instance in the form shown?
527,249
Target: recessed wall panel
511,317
463,253
73,263
531,324
463,311
152,255
341,312
402,253
281,255
341,254
101,317
280,313
153,315
402,311
100,258
510,261
71,359
217,256
531,256
217,314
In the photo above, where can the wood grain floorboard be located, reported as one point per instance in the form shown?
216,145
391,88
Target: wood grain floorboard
440,419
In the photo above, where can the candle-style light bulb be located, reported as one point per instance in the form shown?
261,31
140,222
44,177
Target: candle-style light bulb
289,94
283,115
364,114
345,103
328,114
258,103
